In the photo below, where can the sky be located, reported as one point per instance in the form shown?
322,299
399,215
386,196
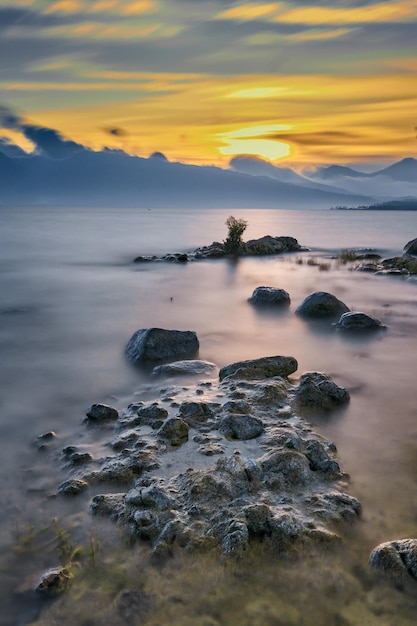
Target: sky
299,82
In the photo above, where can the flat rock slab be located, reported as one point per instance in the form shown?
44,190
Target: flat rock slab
188,367
258,369
156,345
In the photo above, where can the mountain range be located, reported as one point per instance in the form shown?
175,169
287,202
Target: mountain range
64,173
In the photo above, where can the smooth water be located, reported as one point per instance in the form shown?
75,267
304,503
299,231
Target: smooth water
71,298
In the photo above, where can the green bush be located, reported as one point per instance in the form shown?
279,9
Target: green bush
234,242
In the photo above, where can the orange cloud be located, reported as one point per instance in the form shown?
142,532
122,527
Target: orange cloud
135,8
249,11
65,6
383,12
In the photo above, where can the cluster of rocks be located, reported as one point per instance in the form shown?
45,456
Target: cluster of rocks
404,266
319,305
275,478
266,245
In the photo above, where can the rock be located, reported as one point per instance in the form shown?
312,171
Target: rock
186,367
358,323
243,427
109,505
101,413
72,486
258,369
195,413
270,245
411,247
320,460
321,305
213,251
174,431
316,391
286,468
54,581
153,345
396,559
270,296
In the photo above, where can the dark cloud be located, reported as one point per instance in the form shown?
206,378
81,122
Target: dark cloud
10,149
318,139
116,132
47,141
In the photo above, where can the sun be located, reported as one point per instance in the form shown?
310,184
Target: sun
255,140
265,148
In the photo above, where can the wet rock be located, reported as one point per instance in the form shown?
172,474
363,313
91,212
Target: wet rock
129,438
334,507
174,431
411,247
317,392
358,323
285,469
153,345
320,460
72,487
195,413
123,468
101,413
187,367
236,538
321,305
236,426
213,251
270,296
79,458
176,257
258,369
108,505
54,581
396,559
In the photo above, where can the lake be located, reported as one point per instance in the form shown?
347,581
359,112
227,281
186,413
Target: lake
70,300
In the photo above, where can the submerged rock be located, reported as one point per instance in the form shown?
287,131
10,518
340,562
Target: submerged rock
358,323
321,305
54,581
395,559
258,369
152,345
270,296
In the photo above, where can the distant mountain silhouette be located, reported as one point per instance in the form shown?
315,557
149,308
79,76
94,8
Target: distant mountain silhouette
255,166
114,178
405,170
329,172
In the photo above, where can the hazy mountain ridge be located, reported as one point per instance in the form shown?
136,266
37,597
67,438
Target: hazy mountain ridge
114,178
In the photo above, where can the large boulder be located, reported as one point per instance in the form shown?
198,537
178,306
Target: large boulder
153,345
395,559
358,323
270,296
258,369
411,247
270,245
321,305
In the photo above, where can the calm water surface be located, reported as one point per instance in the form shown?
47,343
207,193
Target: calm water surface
71,298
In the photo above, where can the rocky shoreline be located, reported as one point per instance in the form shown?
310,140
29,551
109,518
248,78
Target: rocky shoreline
224,461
